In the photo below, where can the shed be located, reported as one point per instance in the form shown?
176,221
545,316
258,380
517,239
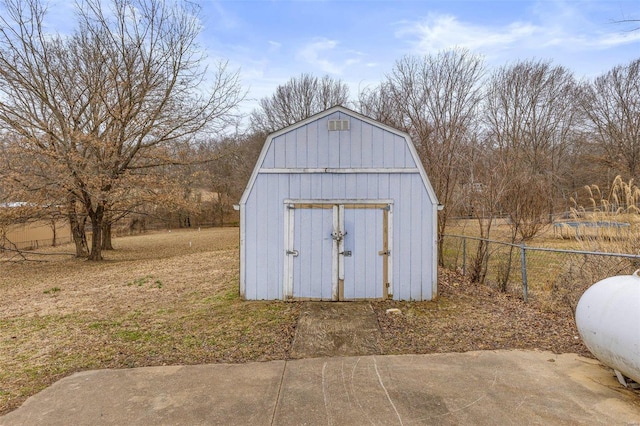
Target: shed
338,207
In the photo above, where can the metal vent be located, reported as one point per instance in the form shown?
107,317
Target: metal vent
337,125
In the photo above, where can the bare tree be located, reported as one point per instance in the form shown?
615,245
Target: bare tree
379,103
530,117
483,189
100,108
299,98
612,104
435,100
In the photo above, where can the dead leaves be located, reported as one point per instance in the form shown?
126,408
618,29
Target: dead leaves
469,317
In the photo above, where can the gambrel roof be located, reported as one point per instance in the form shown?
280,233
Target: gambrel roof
286,151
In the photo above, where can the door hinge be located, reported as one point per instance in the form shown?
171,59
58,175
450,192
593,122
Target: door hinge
387,285
387,208
291,206
385,253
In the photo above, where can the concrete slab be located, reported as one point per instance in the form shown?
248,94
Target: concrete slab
180,395
474,388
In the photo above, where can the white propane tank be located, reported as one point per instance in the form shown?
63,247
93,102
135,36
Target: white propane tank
608,320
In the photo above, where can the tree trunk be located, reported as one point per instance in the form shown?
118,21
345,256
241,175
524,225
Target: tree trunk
77,231
440,246
53,230
106,236
97,219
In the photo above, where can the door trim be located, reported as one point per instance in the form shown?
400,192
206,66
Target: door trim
338,206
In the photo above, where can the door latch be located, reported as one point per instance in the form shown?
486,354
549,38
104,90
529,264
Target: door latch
293,253
338,236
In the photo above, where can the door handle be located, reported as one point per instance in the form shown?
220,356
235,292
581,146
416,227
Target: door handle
293,253
346,253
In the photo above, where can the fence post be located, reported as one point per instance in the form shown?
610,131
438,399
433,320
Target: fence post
464,257
523,266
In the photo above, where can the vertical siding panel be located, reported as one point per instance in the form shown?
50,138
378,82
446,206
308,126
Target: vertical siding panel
372,191
339,186
379,291
269,157
409,160
311,135
400,151
333,139
351,186
327,186
300,245
302,156
416,246
403,239
389,150
395,192
279,151
316,185
305,186
428,249
262,238
350,263
251,213
383,186
278,236
291,149
295,187
355,156
362,186
270,206
323,147
344,146
377,138
370,236
314,228
367,147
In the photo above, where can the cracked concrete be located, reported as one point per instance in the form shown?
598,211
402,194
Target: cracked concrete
473,388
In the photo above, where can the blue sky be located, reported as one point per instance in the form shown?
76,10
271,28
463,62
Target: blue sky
358,41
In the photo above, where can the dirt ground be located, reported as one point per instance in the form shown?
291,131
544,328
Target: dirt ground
468,317
172,298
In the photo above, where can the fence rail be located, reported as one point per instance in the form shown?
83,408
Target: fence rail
538,271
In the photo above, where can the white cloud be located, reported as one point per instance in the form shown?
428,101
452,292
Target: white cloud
274,46
438,32
316,53
326,55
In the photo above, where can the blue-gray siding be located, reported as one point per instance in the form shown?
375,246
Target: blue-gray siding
364,146
413,233
313,146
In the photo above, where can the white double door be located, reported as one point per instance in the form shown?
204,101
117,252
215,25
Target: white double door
337,251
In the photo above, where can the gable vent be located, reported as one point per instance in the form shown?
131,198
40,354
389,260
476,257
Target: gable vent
335,125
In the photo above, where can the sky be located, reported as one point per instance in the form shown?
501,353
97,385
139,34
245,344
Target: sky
358,41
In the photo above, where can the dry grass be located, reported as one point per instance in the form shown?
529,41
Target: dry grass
162,298
172,298
555,279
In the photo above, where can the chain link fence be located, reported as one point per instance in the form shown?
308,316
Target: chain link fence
552,276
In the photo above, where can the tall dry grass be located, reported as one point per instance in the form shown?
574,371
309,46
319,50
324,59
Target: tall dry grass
606,211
